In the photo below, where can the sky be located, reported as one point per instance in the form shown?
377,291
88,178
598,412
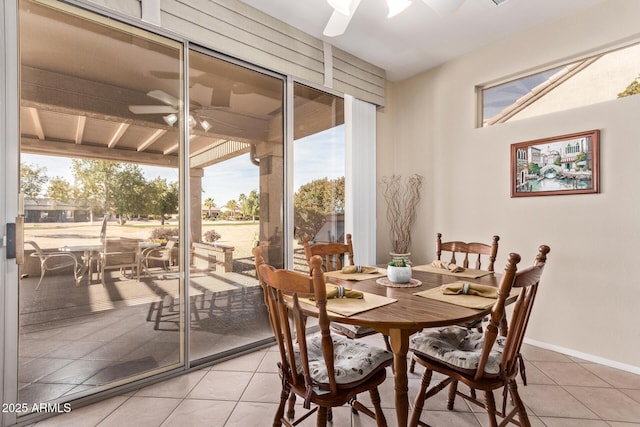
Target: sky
225,181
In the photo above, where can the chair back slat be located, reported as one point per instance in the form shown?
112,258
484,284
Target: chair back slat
281,286
335,255
465,249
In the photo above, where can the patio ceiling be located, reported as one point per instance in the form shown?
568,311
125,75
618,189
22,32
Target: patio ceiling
78,80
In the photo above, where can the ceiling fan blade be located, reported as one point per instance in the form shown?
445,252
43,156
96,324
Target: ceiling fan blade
444,7
165,74
339,22
221,96
152,109
163,96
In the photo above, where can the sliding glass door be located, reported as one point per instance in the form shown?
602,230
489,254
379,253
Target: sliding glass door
236,167
318,169
99,185
149,170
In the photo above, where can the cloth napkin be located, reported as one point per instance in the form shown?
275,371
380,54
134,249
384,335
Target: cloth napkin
451,266
470,289
350,269
342,292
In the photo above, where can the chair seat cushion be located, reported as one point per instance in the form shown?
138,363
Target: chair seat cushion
352,331
354,360
457,346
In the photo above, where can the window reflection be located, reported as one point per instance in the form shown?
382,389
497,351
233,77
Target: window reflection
595,79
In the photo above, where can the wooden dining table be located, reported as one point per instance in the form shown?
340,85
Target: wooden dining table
408,315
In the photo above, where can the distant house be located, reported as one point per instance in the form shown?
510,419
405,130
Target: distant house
210,212
48,210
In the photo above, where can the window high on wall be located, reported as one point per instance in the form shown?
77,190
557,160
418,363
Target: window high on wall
595,79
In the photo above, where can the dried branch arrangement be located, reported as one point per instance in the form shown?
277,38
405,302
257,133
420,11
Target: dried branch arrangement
402,201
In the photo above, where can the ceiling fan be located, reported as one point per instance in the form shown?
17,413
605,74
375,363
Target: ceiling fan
171,109
343,11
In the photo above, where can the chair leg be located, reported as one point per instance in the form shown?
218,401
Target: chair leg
490,403
284,394
42,271
522,411
387,344
322,417
412,365
420,397
453,388
522,367
291,412
381,421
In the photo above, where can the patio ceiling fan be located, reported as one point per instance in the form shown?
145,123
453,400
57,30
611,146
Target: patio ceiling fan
343,11
171,108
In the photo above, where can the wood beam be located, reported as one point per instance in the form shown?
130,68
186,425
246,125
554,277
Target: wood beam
153,138
90,152
82,120
117,135
37,124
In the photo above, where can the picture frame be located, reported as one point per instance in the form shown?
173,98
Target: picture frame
560,165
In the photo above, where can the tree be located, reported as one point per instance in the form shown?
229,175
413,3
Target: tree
233,207
129,192
313,201
632,89
32,178
534,169
252,204
242,201
164,198
60,189
95,180
210,204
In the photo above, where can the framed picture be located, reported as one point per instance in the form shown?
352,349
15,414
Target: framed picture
566,164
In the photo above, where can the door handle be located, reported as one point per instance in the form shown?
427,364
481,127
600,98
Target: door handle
15,240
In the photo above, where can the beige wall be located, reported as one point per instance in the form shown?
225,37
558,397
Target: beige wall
588,302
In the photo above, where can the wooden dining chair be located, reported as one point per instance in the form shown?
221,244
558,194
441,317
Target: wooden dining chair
463,249
477,252
335,256
486,361
324,369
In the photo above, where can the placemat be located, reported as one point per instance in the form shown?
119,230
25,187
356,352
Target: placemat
470,301
354,276
469,273
350,306
413,283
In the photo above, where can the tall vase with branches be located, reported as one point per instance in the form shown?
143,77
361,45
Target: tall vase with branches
402,199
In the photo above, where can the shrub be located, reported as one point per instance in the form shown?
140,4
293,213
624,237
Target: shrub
163,233
211,236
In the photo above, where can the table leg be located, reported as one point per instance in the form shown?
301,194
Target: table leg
86,267
399,340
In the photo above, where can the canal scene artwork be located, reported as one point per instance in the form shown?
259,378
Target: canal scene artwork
566,164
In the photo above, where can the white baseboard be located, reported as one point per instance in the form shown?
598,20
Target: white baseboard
585,356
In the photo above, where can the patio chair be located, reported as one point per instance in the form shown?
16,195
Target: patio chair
55,260
334,257
323,369
485,362
121,254
164,254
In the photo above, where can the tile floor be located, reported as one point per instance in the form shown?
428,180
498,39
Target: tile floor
561,391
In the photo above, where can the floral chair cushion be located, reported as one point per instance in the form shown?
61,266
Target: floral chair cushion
354,360
457,346
352,331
